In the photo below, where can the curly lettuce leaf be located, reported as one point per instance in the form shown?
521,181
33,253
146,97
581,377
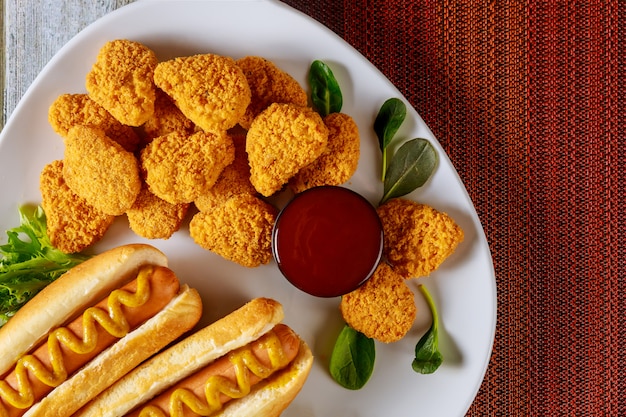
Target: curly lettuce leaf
29,262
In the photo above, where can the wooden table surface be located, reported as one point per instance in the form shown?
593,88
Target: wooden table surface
33,31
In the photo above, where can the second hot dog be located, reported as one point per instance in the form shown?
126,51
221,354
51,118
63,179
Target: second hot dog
244,364
230,377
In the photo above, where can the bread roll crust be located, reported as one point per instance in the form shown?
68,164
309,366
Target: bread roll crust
179,316
271,397
237,329
69,295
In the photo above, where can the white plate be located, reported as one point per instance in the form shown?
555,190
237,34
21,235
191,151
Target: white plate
463,288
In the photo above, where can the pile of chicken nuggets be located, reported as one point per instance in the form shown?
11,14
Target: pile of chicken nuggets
151,139
213,137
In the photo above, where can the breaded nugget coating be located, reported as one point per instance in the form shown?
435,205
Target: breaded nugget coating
383,308
281,141
417,238
234,179
155,218
99,170
209,89
268,84
121,81
70,110
167,118
340,159
179,168
239,230
72,224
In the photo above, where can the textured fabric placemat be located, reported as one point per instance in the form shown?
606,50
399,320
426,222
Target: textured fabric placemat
527,98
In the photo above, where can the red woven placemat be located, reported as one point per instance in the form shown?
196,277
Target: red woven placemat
527,98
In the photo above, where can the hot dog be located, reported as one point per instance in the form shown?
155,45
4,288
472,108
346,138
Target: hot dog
246,363
89,328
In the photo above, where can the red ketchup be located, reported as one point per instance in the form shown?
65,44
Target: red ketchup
327,241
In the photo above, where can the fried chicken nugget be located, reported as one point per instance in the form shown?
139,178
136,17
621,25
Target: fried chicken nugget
281,141
417,238
338,162
239,230
209,89
234,179
70,110
121,81
99,170
179,168
383,308
167,118
155,218
268,84
72,224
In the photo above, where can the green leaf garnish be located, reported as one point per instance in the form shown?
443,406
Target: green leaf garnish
325,92
352,359
29,262
389,119
428,358
411,166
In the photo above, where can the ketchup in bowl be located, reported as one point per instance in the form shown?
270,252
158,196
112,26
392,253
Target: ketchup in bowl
327,241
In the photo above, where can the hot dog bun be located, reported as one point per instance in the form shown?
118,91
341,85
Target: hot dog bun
236,330
271,398
78,288
142,308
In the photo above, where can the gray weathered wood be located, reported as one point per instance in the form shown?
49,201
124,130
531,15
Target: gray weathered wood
32,32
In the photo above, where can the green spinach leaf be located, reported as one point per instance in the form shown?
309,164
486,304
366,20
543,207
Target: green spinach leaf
352,359
411,166
428,358
325,91
389,119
